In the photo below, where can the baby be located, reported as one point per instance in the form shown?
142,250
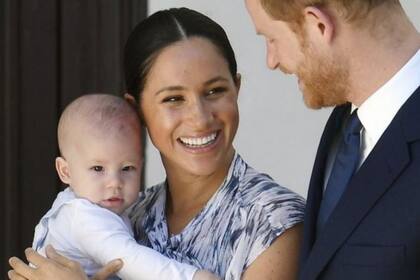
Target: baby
99,138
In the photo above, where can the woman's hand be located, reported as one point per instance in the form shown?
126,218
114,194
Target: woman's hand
55,267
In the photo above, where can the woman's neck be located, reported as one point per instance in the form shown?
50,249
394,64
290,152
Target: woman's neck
188,193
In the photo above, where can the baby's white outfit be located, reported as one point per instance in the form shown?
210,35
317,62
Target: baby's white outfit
93,236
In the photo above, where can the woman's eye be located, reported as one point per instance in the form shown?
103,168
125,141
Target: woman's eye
171,99
129,168
215,91
97,168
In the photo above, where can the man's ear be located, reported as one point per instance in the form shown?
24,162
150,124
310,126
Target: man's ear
319,24
63,171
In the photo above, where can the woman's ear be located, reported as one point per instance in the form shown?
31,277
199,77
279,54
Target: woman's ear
63,171
238,79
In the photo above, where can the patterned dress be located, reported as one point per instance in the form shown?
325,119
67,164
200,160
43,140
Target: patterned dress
241,220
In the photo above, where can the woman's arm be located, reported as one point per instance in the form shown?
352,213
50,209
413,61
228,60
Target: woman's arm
280,260
55,264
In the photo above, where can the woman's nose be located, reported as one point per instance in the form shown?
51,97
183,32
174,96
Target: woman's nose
200,114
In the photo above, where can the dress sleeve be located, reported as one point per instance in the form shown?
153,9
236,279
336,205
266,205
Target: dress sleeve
268,221
103,236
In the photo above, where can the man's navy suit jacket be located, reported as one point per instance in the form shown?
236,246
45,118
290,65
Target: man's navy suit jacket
374,232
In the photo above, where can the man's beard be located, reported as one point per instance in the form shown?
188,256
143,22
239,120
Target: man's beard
324,78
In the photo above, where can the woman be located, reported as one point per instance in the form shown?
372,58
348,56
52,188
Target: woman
213,211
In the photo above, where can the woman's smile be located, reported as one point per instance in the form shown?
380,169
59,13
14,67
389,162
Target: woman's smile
200,143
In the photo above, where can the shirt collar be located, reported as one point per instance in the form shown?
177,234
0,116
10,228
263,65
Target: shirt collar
377,112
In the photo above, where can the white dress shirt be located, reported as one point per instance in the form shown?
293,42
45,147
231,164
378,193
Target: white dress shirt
377,112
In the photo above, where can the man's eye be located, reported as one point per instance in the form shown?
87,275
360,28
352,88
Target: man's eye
97,168
129,168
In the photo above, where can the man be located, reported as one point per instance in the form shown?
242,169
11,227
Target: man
362,219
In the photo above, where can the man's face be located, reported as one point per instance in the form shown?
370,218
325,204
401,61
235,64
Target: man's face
284,50
322,75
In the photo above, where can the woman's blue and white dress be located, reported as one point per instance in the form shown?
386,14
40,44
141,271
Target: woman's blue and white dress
239,222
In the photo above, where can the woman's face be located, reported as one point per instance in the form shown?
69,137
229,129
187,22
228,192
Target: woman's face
189,105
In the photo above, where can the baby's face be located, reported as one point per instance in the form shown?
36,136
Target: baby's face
105,168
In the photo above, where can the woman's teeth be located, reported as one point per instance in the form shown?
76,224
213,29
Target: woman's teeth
198,141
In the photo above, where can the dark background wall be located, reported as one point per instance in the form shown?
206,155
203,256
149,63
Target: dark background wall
51,51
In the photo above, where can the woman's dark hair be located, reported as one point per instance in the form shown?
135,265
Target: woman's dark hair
162,29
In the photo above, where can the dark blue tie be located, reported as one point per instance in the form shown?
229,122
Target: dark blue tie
345,165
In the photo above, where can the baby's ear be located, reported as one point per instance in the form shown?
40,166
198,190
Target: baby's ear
63,171
130,99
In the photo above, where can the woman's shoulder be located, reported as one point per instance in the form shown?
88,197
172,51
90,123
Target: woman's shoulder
259,189
268,209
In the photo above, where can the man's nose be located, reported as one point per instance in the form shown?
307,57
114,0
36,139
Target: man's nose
271,57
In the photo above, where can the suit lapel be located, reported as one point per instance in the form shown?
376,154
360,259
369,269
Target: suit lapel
382,167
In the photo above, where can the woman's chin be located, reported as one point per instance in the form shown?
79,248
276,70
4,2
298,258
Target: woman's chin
202,168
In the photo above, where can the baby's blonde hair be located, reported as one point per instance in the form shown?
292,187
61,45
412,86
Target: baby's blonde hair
97,112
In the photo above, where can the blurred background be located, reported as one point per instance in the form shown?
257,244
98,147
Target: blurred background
52,51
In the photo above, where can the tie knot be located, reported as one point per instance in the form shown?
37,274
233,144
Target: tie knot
353,125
